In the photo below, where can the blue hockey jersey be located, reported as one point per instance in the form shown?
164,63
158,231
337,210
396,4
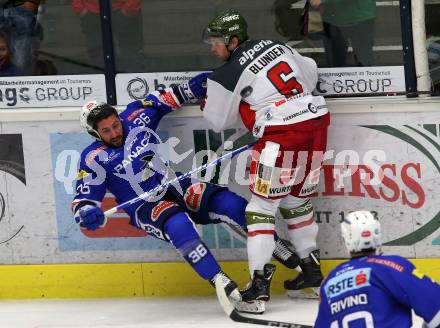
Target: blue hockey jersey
133,168
377,291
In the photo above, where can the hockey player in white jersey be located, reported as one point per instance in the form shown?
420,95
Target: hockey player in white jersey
270,86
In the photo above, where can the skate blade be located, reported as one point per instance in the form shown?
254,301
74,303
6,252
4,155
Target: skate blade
255,307
307,293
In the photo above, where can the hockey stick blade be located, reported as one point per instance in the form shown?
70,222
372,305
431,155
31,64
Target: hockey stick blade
232,313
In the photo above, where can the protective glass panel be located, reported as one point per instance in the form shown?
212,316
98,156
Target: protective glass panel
343,33
166,35
432,12
51,37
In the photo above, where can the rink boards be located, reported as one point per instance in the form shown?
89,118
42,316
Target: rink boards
383,157
138,279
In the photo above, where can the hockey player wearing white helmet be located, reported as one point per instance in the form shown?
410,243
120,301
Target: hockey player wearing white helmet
102,122
361,233
372,290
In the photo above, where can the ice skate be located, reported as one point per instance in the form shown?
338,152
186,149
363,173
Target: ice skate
307,283
253,307
257,291
229,285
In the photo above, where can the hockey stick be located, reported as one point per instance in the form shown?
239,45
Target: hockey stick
232,313
165,185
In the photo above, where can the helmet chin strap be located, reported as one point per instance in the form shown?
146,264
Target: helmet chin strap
95,134
230,51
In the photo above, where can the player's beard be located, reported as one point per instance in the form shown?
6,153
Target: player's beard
117,142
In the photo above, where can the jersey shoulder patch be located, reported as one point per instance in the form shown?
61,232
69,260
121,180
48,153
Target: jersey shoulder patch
91,152
393,262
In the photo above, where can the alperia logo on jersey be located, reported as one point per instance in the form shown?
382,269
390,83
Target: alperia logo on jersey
249,54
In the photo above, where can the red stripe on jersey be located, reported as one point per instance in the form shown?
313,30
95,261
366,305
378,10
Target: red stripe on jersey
247,115
301,224
260,232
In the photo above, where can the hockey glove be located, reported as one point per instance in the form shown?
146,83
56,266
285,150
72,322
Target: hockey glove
203,103
195,88
90,217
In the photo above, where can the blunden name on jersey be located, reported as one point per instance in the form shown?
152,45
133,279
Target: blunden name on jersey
266,59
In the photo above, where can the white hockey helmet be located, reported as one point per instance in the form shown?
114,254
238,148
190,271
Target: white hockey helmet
360,231
91,113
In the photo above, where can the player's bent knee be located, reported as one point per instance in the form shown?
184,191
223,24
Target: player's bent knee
293,202
179,228
229,204
304,240
301,227
263,205
182,233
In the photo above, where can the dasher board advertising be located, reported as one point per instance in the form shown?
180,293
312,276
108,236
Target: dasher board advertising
332,82
51,91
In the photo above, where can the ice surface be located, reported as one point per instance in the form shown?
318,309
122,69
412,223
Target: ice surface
155,312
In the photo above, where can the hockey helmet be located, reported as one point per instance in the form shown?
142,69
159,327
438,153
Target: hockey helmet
225,25
93,112
360,231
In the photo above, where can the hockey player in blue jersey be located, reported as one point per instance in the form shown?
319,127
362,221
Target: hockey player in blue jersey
123,159
374,290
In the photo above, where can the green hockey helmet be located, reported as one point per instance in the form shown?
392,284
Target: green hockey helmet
225,25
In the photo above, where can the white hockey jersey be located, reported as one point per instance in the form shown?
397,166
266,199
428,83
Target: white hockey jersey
266,82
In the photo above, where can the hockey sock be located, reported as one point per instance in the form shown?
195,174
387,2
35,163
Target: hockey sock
302,228
229,204
260,243
260,219
185,238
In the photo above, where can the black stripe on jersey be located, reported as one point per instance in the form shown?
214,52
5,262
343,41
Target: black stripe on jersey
229,74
